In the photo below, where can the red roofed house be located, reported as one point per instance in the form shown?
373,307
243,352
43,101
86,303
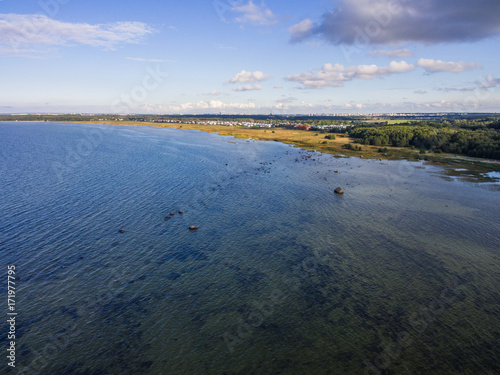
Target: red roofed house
302,127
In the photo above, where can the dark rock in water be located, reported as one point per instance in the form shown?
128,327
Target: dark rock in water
339,190
121,231
336,171
192,227
180,212
167,218
172,213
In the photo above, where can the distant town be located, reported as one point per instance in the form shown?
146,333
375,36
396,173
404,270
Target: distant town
334,122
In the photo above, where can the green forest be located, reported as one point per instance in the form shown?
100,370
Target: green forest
476,138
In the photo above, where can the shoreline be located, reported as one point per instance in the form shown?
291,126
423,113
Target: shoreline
316,141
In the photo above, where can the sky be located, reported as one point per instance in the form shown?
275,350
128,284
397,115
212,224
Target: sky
249,57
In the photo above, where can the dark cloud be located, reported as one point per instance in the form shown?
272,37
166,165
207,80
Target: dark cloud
399,21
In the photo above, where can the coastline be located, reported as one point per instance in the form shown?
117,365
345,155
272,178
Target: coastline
315,141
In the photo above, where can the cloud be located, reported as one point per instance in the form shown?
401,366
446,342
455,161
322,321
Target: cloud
24,31
335,75
290,99
278,86
488,82
255,15
454,89
420,92
436,66
302,30
31,53
402,52
248,88
213,93
212,104
391,22
249,77
141,59
352,106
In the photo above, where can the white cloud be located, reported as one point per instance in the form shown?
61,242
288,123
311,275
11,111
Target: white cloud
335,75
248,88
31,53
488,82
402,52
290,99
455,89
212,104
22,31
353,106
249,77
255,15
435,66
213,93
301,30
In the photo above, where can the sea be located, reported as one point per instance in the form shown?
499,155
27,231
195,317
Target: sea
398,275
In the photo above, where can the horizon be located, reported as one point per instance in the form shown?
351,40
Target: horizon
239,57
388,114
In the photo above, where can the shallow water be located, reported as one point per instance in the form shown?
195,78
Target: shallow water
400,275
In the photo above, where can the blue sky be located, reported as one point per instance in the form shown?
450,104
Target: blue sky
242,56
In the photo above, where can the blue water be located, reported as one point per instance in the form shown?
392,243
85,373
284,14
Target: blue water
400,275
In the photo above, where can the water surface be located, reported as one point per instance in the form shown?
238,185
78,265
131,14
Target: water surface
400,275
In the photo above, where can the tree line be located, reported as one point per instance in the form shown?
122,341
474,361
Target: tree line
480,139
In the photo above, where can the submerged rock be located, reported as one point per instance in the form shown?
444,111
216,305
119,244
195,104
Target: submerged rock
193,227
172,213
339,190
167,218
121,231
180,212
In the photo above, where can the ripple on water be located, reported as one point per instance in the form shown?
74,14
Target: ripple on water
282,276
